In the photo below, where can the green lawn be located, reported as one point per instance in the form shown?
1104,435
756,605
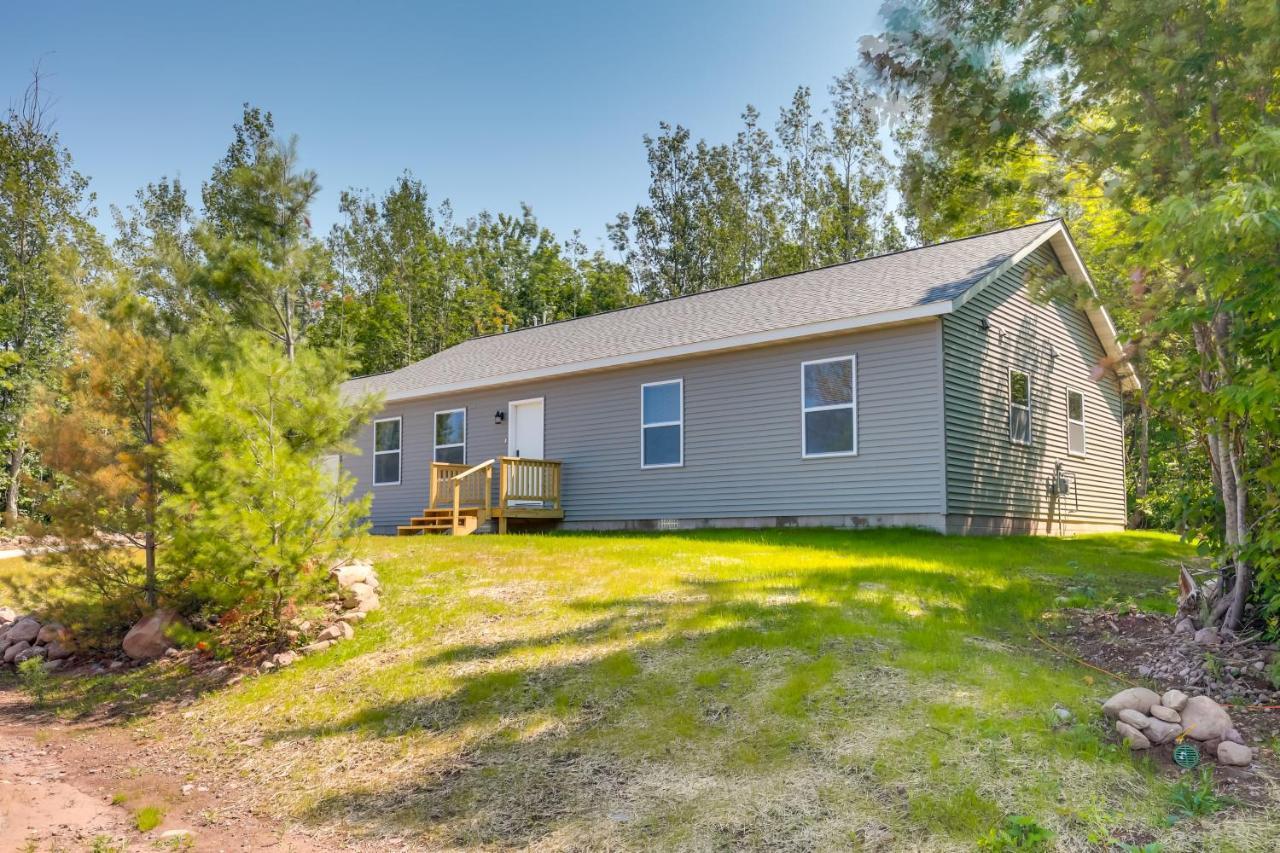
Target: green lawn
783,689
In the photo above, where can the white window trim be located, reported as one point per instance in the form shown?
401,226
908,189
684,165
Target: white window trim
1084,428
435,433
852,406
1009,406
399,451
679,423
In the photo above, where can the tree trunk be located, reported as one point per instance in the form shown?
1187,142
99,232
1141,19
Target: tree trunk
16,455
149,545
1143,479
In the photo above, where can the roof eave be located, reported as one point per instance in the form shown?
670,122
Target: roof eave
878,319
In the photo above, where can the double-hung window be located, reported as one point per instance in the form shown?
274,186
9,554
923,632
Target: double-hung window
1075,423
662,424
451,436
1019,407
386,452
829,411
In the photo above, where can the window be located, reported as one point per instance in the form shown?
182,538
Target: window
386,452
829,407
1019,407
451,436
662,424
1075,423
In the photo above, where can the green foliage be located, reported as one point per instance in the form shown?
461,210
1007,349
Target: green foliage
1194,796
41,221
811,193
148,818
254,518
1016,832
1171,154
34,678
412,282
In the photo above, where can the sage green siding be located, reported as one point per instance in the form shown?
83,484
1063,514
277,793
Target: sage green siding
993,484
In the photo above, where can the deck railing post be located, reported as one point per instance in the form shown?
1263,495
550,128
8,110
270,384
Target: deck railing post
434,487
457,494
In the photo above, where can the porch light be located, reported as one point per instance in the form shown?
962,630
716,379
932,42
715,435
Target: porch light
499,416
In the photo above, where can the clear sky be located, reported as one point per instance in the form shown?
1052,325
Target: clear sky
491,104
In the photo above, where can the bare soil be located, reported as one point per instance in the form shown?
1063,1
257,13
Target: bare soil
69,786
1123,643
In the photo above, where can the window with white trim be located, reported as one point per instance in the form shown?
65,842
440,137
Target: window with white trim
1019,407
828,402
662,424
386,452
451,436
1075,423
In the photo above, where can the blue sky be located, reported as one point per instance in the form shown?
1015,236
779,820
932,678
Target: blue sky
491,104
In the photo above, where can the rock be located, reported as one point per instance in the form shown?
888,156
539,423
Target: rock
1175,699
28,653
1136,739
354,573
1160,712
25,629
1133,718
353,595
1208,637
1211,746
320,646
53,665
149,639
1234,754
175,834
1233,735
1063,714
281,659
57,650
51,631
1138,699
7,615
14,650
1204,718
354,616
1161,732
337,631
1185,626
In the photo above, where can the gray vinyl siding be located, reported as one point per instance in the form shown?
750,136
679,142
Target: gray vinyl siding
742,450
988,476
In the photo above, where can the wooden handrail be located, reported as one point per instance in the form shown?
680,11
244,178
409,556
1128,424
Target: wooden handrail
460,480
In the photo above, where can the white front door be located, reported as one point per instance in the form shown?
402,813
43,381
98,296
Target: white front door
524,434
524,439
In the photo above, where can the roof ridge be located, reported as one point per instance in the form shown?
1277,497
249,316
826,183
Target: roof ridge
666,299
669,299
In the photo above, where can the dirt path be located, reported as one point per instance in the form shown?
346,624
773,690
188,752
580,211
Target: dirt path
68,788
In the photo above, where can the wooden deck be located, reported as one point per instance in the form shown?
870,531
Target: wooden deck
461,498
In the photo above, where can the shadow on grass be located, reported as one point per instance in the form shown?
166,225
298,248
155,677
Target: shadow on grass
722,675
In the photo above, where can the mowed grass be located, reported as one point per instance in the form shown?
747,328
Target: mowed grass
783,689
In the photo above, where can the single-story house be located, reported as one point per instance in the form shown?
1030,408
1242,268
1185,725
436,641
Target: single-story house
925,387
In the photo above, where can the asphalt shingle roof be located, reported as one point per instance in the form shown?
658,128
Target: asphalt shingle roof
873,285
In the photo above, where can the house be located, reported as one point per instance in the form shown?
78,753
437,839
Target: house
924,387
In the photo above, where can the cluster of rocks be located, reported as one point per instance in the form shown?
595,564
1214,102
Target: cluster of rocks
25,637
1144,719
1206,659
356,597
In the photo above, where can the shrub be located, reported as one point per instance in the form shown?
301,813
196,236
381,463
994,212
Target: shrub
34,678
1016,832
1193,796
256,519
